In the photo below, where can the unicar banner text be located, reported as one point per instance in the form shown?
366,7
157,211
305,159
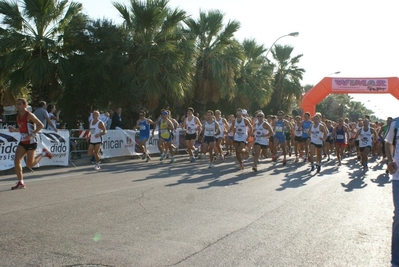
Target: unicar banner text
360,85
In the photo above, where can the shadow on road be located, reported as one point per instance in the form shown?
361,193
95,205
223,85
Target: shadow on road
382,180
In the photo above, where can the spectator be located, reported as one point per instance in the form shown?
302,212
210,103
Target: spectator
117,120
42,114
54,116
109,121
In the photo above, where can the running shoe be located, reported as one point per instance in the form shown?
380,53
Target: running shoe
47,153
296,159
255,169
167,155
172,159
97,167
312,168
19,185
210,166
221,158
284,162
162,157
289,153
143,156
192,160
339,164
318,168
328,158
366,168
196,151
148,159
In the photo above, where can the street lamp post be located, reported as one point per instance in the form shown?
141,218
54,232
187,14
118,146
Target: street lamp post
337,72
293,34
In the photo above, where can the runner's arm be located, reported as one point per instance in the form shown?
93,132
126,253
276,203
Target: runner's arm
357,133
249,125
217,128
37,122
269,128
226,126
137,126
103,128
389,138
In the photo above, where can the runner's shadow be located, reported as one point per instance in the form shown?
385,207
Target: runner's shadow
229,182
357,183
381,180
296,180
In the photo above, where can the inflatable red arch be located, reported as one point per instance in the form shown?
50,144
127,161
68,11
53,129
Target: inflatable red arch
329,85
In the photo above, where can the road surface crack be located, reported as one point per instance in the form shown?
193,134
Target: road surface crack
137,200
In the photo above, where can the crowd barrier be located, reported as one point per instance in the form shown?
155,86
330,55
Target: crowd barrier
68,145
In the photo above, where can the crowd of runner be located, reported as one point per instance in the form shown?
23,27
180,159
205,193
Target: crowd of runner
308,139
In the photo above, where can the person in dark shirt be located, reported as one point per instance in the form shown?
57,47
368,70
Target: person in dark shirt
117,120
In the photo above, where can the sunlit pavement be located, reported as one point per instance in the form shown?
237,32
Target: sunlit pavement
132,213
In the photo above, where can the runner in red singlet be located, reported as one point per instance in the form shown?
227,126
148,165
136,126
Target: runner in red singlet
28,126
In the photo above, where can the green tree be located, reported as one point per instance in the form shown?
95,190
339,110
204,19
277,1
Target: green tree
32,44
287,80
217,58
95,74
159,53
254,79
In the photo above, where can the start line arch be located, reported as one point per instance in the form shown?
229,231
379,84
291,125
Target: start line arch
330,85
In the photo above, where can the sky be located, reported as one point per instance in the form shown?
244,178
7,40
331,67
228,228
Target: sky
357,38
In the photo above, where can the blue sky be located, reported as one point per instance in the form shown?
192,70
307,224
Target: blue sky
357,38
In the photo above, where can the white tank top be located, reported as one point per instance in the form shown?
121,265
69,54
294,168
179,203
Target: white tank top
94,129
357,129
190,126
365,138
298,131
231,133
209,128
221,126
241,131
259,132
316,135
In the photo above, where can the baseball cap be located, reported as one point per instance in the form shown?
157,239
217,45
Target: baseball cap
165,112
244,112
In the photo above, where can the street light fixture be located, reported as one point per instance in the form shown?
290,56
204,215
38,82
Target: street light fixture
337,72
293,34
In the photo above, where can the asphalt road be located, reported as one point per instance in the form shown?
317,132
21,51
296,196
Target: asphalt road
132,213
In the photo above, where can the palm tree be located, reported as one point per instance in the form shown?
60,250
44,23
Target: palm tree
159,53
217,58
97,69
31,44
287,80
254,80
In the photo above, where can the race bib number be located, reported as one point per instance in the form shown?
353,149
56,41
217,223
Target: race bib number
340,136
279,129
142,127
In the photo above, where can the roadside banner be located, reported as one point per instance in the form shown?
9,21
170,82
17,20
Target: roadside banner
56,143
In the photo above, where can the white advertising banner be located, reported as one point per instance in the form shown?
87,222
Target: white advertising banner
360,85
56,143
118,143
